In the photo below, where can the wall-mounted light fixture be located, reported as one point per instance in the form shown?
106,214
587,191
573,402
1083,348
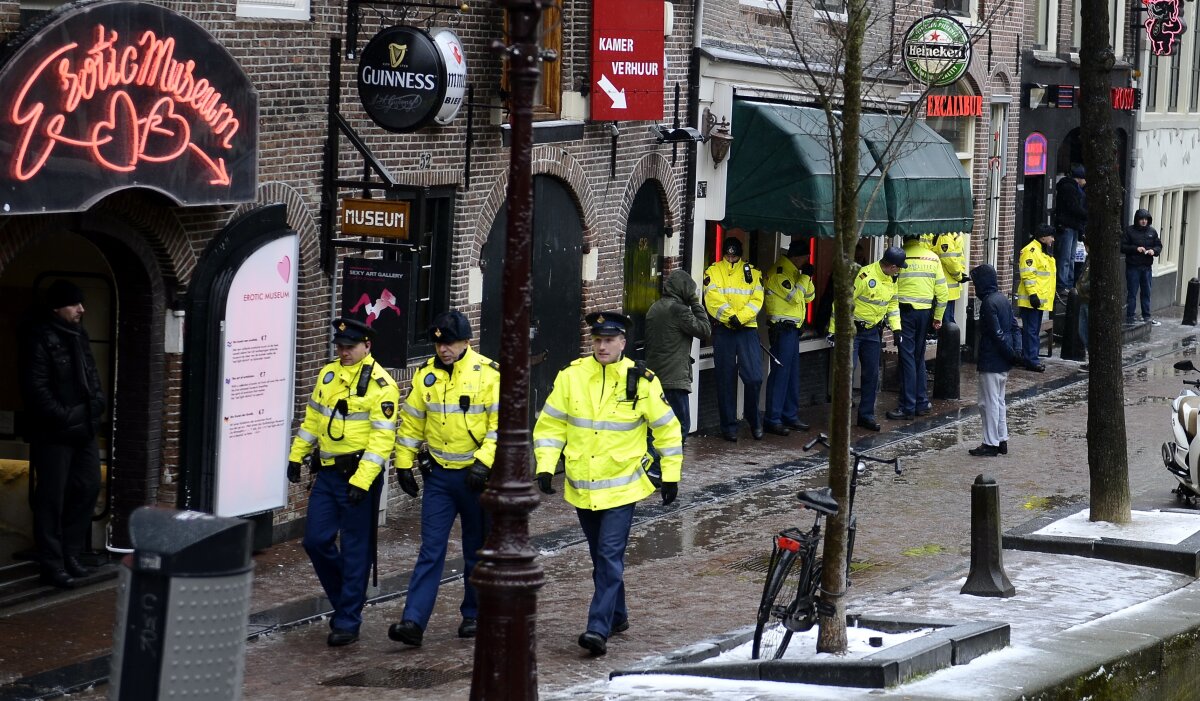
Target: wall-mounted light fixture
717,135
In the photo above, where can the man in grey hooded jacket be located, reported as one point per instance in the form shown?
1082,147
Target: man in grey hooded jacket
671,324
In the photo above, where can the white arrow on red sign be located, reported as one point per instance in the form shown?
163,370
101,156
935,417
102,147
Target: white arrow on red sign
617,96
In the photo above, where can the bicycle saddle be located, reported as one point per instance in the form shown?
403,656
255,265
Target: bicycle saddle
819,500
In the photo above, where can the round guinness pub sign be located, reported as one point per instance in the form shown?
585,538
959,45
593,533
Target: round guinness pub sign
937,50
403,79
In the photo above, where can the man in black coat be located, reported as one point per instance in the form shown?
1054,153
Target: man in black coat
64,404
1070,218
1141,245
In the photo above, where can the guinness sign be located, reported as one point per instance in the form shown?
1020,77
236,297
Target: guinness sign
404,81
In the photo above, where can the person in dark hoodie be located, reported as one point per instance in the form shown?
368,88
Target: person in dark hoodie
1070,218
64,401
671,324
994,359
1141,245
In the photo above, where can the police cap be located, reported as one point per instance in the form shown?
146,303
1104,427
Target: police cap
732,246
894,255
350,332
608,323
449,327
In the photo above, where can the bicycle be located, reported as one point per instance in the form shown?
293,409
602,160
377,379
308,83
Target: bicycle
799,594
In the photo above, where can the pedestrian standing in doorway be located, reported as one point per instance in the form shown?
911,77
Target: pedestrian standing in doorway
789,291
875,307
64,403
921,294
1035,295
453,409
597,417
1070,219
733,295
994,360
351,419
1141,245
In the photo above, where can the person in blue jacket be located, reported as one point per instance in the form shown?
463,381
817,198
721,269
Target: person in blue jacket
995,358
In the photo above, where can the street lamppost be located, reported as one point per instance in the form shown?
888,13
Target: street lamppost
507,577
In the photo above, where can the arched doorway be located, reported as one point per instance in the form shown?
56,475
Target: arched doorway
643,262
557,288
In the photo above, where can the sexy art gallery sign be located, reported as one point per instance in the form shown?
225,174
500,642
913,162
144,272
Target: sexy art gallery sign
115,95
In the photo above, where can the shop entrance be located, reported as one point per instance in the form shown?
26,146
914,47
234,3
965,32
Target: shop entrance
557,286
643,263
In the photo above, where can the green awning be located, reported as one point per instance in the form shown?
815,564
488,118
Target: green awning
781,174
926,188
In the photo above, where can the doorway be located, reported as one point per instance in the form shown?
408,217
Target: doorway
557,286
643,263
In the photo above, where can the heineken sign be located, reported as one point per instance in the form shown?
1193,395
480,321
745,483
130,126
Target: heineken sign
937,50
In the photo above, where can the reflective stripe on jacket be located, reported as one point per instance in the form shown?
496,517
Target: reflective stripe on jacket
733,290
922,284
1037,272
874,298
368,424
949,250
602,435
435,413
788,292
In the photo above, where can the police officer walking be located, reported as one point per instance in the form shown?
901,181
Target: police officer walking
351,418
453,409
875,306
921,293
597,417
733,295
1037,271
789,291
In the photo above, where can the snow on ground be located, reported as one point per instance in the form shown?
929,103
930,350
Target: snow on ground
1147,526
803,646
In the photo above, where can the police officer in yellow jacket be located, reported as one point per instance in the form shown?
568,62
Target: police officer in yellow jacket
875,306
1035,295
949,250
789,291
351,418
453,409
921,293
733,295
596,418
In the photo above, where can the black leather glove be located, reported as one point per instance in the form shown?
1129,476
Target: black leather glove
897,338
425,464
830,339
293,472
670,490
408,483
543,480
477,476
735,323
355,495
1035,301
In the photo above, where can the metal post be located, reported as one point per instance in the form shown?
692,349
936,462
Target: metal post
987,577
947,365
1072,344
507,576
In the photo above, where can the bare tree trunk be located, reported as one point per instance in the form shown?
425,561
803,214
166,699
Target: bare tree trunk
832,633
1107,460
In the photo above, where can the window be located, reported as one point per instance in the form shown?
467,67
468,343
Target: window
1167,223
547,96
274,9
1173,81
1151,84
1116,25
960,8
1045,26
837,8
770,5
1194,93
430,292
959,131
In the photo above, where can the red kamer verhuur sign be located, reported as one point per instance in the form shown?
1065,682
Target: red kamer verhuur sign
627,60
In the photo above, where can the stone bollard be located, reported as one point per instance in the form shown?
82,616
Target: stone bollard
987,576
1191,302
947,365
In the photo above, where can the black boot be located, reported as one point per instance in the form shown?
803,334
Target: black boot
985,451
406,632
74,567
1003,447
594,643
57,578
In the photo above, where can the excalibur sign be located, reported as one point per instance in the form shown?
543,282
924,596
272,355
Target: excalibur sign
937,50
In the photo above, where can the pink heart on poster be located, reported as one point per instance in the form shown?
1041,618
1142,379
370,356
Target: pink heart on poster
284,268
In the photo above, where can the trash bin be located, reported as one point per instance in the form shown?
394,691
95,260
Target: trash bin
183,604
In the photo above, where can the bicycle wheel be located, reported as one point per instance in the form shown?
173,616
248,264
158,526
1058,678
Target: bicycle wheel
778,593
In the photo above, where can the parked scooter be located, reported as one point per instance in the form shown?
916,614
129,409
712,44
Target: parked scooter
1182,455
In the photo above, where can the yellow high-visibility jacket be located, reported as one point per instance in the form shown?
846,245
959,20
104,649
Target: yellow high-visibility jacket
949,250
601,434
922,284
368,423
874,298
788,292
733,291
455,413
1037,272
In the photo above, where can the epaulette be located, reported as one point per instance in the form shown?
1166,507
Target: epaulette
430,361
381,381
494,365
863,275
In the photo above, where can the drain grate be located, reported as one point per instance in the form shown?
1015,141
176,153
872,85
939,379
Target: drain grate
755,563
401,678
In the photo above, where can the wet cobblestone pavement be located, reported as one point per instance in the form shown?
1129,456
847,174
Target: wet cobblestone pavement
694,570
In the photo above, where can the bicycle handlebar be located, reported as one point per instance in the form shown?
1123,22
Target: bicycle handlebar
824,440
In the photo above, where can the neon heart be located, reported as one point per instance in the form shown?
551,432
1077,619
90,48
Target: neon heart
284,268
119,133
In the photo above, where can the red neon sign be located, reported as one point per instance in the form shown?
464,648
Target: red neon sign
1035,154
122,94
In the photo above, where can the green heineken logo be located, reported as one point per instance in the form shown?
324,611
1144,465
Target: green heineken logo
937,50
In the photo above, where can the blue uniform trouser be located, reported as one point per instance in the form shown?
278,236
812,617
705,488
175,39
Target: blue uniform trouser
736,353
867,347
445,496
343,572
783,384
607,533
1064,258
914,323
1031,330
